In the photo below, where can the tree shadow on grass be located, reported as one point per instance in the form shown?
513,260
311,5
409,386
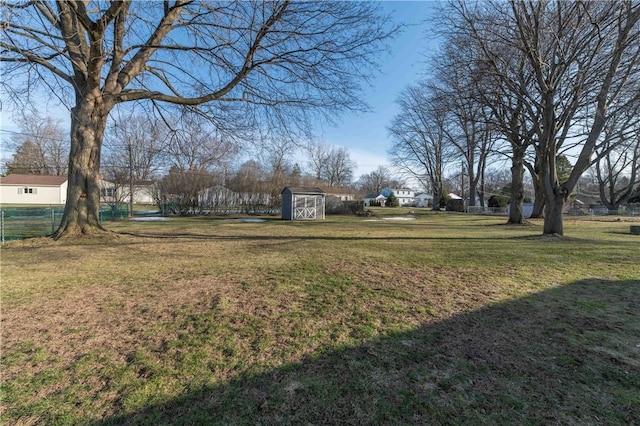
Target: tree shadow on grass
570,355
177,236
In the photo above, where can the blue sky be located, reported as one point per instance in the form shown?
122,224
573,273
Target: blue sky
366,135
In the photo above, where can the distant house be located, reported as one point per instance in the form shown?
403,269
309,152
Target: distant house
33,189
422,199
455,203
300,203
217,196
343,196
405,196
375,200
143,192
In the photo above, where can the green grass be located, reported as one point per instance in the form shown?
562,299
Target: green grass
446,319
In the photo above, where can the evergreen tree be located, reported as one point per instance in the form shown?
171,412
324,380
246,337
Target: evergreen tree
392,201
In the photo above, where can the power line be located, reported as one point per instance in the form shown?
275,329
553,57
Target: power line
32,135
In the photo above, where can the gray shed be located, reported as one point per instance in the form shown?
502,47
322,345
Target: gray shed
299,203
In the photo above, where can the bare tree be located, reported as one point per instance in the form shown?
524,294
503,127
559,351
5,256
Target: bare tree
339,171
40,146
179,189
318,155
455,82
253,186
137,143
259,62
376,181
135,149
509,117
195,145
331,164
198,159
419,138
584,61
618,171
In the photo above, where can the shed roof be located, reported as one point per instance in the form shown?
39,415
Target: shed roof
303,190
43,180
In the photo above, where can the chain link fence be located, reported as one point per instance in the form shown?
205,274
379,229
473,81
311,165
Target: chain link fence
17,223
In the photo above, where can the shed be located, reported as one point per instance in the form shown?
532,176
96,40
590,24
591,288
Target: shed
301,203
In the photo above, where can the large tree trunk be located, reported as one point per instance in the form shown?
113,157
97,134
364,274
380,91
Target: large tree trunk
516,214
554,208
82,209
538,200
437,196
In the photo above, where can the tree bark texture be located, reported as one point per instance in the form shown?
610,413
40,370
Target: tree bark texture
82,209
516,214
553,216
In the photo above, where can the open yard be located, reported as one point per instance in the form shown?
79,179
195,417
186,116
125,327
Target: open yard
445,319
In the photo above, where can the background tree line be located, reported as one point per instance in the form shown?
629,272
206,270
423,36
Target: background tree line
533,82
185,155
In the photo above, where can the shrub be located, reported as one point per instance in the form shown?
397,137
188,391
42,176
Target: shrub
444,200
392,201
498,201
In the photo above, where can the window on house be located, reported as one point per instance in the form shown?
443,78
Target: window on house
106,192
27,190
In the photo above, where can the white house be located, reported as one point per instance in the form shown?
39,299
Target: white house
33,189
217,196
422,199
405,196
343,196
45,190
143,192
376,200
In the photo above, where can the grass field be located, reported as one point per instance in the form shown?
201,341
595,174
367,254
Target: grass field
445,319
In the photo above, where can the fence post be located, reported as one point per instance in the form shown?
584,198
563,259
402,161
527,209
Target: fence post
2,225
53,220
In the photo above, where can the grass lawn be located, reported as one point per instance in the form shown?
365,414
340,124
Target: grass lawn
445,319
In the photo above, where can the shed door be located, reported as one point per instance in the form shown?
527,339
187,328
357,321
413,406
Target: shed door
304,207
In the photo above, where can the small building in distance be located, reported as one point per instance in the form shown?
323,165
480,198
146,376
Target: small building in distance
423,199
302,203
33,189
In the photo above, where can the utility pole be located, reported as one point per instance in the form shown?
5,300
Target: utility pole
462,182
130,148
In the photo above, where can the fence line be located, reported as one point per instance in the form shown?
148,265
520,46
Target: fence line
603,211
17,223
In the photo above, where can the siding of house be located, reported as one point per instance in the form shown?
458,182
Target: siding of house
405,196
33,189
142,192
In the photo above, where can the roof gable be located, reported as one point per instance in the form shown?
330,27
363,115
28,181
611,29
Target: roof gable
302,190
42,180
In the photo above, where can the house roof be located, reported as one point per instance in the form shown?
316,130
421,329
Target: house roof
303,190
42,180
